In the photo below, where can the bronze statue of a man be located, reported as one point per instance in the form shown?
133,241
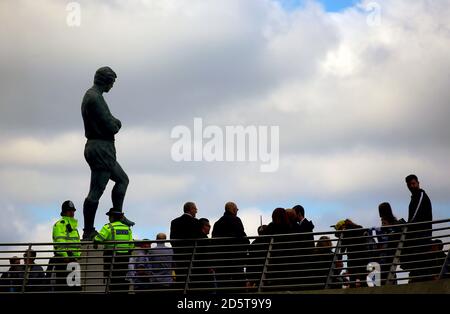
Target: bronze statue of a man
100,126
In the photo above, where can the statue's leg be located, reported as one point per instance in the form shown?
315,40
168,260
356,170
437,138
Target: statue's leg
118,192
120,187
99,180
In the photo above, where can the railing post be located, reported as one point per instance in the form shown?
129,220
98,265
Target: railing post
110,273
266,261
27,270
91,274
337,251
186,283
444,266
396,259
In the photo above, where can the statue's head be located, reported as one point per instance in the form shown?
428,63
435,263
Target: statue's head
105,78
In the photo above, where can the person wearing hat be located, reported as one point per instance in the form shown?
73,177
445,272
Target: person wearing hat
356,244
66,241
116,253
100,127
65,231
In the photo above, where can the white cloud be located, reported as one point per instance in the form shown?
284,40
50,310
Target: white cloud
358,107
60,151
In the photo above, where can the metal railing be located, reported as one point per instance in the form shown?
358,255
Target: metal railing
289,262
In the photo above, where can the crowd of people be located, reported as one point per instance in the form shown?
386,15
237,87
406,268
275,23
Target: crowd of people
286,251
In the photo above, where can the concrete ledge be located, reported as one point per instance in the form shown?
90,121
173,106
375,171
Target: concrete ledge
429,287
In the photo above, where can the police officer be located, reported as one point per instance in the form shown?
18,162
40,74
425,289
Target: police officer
66,241
116,253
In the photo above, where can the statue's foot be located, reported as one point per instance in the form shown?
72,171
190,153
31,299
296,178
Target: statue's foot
89,235
127,222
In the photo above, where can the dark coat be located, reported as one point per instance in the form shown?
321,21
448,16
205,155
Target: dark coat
11,280
231,226
36,278
183,227
283,232
304,247
257,253
421,202
424,213
203,272
355,245
306,227
324,259
417,241
280,254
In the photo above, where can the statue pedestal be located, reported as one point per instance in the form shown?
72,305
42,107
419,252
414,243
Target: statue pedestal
92,275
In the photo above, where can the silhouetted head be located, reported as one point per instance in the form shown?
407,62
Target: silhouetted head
437,245
324,242
15,260
412,183
144,244
29,256
262,229
190,208
292,216
231,208
205,226
105,78
161,236
344,225
300,211
386,215
279,216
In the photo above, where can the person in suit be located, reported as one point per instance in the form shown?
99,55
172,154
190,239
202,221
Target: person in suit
305,237
185,228
230,226
304,226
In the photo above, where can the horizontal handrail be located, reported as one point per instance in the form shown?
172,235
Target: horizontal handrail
274,262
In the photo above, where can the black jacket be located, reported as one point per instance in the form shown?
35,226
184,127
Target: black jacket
185,227
229,226
424,212
356,247
182,228
306,226
419,210
202,274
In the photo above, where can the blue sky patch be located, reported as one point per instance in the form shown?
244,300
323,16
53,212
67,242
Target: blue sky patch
330,5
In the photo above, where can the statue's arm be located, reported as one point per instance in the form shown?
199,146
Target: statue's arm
104,116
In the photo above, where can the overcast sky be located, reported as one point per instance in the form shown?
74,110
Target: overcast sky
360,105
